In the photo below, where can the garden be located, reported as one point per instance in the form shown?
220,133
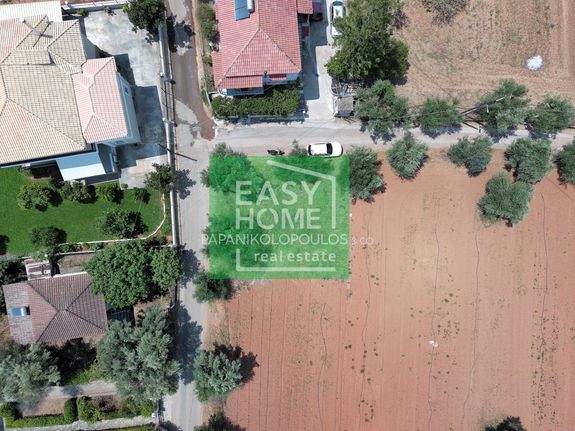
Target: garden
72,210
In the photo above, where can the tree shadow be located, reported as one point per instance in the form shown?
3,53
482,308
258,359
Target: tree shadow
191,265
4,240
219,421
248,361
189,337
183,183
434,133
72,357
179,33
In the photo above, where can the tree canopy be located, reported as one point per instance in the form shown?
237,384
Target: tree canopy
531,159
124,273
208,289
474,154
367,50
34,195
47,236
364,176
437,114
505,200
508,424
504,108
216,374
551,115
161,179
139,358
25,372
406,156
566,163
145,14
381,108
121,223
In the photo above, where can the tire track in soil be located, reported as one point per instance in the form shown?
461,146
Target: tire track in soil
433,316
542,350
322,366
364,329
475,326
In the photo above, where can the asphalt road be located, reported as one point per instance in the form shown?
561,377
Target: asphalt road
193,125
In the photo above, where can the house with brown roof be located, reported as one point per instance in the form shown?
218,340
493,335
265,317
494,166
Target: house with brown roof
259,44
55,309
56,104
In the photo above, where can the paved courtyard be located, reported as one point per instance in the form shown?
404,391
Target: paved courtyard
138,61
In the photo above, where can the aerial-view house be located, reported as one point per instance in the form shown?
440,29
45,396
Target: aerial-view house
55,309
57,106
259,44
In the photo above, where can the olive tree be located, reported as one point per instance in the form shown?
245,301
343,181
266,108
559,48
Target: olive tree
504,108
473,153
438,114
565,161
216,374
364,176
531,159
551,115
406,156
505,200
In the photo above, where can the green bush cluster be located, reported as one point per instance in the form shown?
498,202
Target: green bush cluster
90,412
565,161
278,101
406,156
110,192
207,17
13,418
76,192
505,200
474,154
531,159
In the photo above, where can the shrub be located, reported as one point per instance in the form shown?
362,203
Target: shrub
207,17
364,176
166,266
121,223
161,179
508,424
437,114
277,101
70,410
505,200
82,12
77,192
474,154
209,290
406,156
531,159
110,192
87,410
145,14
34,195
142,195
48,236
551,115
444,11
566,163
215,374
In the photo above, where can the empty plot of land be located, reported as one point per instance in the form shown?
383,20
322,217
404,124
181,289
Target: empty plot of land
488,42
445,323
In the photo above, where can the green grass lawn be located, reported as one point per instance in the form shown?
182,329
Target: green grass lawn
76,219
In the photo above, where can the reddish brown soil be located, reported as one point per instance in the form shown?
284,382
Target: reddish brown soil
356,355
490,41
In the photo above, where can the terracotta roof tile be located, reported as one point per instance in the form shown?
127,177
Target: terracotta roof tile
61,308
266,41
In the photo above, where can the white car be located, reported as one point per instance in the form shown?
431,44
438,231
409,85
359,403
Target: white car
337,10
326,149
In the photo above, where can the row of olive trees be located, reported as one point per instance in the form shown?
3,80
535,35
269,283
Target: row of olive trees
503,109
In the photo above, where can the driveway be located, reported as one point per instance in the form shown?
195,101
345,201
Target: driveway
316,80
138,60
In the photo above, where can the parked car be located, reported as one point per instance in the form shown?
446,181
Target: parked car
337,10
325,149
317,14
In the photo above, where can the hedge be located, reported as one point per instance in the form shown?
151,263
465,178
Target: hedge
13,418
279,101
89,412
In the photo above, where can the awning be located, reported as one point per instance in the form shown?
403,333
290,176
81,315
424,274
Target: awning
81,166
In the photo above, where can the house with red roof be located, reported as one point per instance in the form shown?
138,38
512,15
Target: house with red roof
55,309
259,44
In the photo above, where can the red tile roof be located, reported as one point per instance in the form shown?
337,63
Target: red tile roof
61,308
266,41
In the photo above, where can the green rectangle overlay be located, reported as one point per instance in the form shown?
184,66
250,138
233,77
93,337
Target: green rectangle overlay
278,217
